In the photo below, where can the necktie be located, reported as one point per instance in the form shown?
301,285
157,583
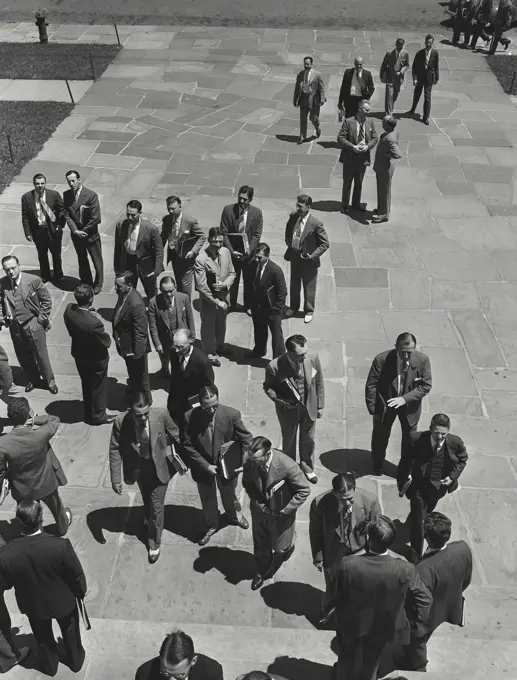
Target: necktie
402,377
306,76
144,442
257,277
263,477
427,55
210,434
240,223
132,241
46,212
183,362
360,136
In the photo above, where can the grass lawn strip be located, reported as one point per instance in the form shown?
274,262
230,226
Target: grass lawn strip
503,66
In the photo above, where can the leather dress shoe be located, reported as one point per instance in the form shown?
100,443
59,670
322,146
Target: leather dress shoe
312,477
318,133
242,523
343,211
29,387
288,553
425,121
300,141
206,538
258,582
255,353
106,419
22,654
97,290
379,219
153,555
378,470
214,361
69,515
53,389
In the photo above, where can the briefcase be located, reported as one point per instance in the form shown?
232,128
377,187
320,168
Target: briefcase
288,391
279,496
271,297
231,460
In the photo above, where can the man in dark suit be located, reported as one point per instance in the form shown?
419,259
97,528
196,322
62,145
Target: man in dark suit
370,597
426,73
28,461
177,659
25,307
356,138
130,332
393,69
433,463
397,382
357,85
337,525
138,248
503,20
446,569
267,302
90,344
9,655
463,22
273,526
183,238
294,382
6,374
141,446
83,216
481,19
386,154
48,579
190,371
246,220
306,241
207,428
42,220
169,311
309,96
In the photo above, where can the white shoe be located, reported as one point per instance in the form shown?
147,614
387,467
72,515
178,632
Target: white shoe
308,318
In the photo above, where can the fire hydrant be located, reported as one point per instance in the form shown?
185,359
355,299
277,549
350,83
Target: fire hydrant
42,23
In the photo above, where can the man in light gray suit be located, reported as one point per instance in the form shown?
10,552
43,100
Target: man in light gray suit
384,167
393,69
309,95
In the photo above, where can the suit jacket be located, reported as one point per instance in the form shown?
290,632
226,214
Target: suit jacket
130,326
383,380
281,468
159,323
28,460
348,138
371,593
124,446
483,11
316,87
205,668
35,297
30,213
149,244
198,373
447,573
367,87
207,271
272,277
253,228
417,460
324,524
83,214
394,64
429,75
280,368
90,342
313,240
189,229
45,573
387,153
200,451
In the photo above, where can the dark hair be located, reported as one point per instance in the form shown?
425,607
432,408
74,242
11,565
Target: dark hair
38,175
295,341
18,410
263,248
441,420
30,515
245,189
83,294
382,532
208,391
128,277
73,172
214,232
400,40
305,199
429,37
177,647
390,121
167,279
135,204
345,481
405,339
437,529
259,443
256,675
140,400
307,57
173,199
10,257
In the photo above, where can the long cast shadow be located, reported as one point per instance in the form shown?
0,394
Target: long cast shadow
357,461
300,599
293,668
234,565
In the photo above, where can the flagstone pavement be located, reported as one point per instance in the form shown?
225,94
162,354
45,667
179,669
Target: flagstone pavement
197,112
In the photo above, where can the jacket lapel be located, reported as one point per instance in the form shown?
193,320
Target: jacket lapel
162,308
182,228
307,228
118,314
141,233
307,365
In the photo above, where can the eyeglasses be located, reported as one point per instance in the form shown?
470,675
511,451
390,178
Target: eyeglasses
177,676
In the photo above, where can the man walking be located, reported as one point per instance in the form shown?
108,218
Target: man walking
241,223
306,241
25,308
463,22
276,488
397,382
42,221
295,383
90,345
28,460
214,274
433,464
356,86
384,166
48,579
208,428
168,312
481,20
267,300
143,445
426,73
309,97
393,69
183,238
138,249
6,375
356,138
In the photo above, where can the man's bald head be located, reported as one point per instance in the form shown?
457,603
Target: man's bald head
183,336
358,62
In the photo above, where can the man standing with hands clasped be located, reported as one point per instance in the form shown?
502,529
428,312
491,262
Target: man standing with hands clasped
309,95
